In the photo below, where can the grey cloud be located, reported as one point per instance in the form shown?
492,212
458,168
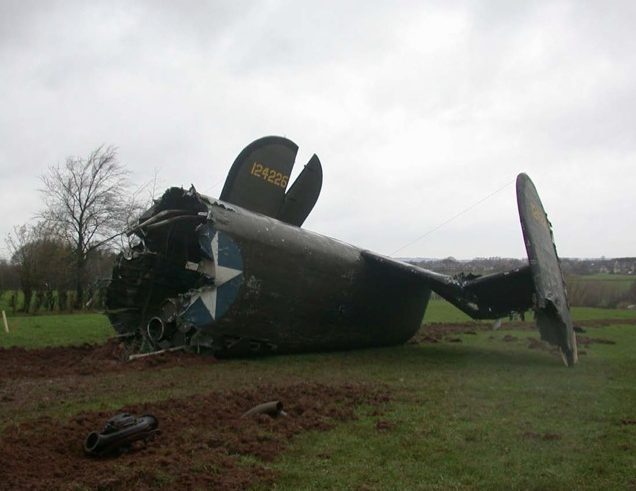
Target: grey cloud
417,109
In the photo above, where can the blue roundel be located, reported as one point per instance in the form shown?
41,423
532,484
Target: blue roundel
211,302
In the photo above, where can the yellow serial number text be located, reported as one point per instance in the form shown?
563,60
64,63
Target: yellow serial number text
269,175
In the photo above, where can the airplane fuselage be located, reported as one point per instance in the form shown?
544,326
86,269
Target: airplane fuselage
238,275
239,282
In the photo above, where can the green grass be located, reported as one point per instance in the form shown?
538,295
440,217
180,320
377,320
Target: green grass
590,313
604,277
55,330
484,413
442,311
601,290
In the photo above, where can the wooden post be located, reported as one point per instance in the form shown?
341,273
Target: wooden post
4,321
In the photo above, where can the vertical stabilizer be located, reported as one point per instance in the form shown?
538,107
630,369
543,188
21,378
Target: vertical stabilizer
259,176
550,297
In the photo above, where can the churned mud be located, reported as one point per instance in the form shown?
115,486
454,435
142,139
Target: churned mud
203,441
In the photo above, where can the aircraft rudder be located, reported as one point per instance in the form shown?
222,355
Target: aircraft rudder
551,306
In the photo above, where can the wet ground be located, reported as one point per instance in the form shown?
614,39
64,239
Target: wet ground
203,442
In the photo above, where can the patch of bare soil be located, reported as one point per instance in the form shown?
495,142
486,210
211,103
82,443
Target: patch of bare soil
438,332
586,340
86,359
201,443
90,359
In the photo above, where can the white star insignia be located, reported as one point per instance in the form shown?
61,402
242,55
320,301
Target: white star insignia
222,275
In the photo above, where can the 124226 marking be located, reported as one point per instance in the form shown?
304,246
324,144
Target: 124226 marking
269,175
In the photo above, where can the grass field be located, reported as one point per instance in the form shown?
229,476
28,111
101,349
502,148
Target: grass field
55,330
484,413
601,290
605,277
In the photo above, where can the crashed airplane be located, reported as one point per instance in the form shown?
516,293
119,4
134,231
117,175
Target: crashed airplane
238,276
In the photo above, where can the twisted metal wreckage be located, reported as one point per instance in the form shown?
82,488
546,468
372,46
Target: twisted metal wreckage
239,276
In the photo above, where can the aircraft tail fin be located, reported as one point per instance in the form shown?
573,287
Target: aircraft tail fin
550,301
539,286
303,194
259,177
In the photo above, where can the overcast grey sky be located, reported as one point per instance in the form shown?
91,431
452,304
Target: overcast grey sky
418,110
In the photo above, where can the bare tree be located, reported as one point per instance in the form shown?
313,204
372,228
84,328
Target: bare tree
88,203
37,258
25,260
6,277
